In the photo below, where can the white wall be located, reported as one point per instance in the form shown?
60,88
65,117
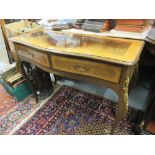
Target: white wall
3,52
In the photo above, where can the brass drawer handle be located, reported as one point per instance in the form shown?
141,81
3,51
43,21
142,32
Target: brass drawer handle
28,53
31,54
81,68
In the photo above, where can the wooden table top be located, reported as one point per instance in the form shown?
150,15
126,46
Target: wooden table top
117,50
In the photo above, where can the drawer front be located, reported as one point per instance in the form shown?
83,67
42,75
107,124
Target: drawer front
33,55
84,67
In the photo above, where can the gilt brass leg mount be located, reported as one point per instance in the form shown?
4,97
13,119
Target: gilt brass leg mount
122,104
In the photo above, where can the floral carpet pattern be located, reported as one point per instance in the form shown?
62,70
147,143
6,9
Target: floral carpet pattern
6,101
71,111
13,112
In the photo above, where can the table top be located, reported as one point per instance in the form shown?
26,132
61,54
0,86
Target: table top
116,50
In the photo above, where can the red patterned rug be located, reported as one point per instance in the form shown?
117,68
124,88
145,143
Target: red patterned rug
7,102
71,111
13,112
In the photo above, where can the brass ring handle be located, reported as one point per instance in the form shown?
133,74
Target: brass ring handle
81,68
31,54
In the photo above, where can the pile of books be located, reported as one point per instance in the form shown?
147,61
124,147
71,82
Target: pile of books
14,79
98,25
15,84
133,25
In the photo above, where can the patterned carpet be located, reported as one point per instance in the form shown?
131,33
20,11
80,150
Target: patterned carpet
13,112
6,101
71,111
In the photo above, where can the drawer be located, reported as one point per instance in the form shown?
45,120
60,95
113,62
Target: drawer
33,55
89,68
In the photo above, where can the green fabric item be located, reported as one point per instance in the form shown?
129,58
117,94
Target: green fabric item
20,92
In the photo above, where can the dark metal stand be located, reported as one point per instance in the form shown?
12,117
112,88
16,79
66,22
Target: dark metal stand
38,80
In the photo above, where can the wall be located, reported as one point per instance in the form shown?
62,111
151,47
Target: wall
3,52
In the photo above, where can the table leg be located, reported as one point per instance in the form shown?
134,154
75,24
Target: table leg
122,104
